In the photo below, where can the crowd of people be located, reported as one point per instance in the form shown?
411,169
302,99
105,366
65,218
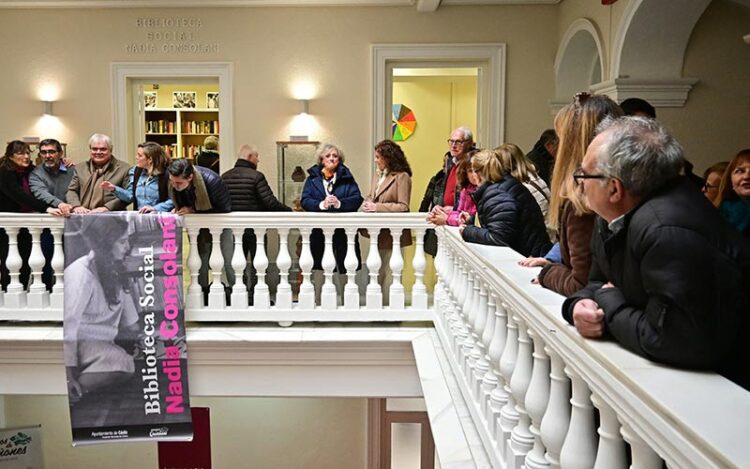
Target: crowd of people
605,203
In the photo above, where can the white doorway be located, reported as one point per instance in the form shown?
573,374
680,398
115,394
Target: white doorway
127,77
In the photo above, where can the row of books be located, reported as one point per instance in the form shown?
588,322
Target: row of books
200,127
188,151
160,127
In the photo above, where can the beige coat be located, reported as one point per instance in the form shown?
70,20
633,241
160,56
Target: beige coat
393,195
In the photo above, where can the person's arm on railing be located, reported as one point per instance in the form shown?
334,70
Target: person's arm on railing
267,198
565,279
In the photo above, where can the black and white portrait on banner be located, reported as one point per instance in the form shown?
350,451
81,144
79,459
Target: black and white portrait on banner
124,333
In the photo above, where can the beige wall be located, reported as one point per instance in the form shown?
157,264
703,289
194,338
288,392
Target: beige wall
270,49
245,432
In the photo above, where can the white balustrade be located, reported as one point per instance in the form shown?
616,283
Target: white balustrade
519,397
514,358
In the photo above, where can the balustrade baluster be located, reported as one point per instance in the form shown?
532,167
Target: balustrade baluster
15,295
611,453
489,379
216,295
579,449
38,296
497,398
466,307
328,295
195,293
239,262
261,295
642,455
58,267
481,364
508,414
489,327
440,270
419,290
521,440
374,293
397,293
557,416
306,288
284,263
537,397
351,290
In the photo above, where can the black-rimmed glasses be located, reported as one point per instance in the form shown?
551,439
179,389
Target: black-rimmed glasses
579,176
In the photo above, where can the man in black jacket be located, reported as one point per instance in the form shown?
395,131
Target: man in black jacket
250,192
668,277
195,189
543,155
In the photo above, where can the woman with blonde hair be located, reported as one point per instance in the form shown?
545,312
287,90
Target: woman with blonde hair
507,214
523,169
575,125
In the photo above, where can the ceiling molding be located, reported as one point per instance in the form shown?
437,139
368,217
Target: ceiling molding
422,5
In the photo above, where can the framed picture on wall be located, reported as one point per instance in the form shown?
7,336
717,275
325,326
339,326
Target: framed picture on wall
212,100
149,98
183,99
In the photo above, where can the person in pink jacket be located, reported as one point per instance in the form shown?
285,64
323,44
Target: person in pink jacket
468,182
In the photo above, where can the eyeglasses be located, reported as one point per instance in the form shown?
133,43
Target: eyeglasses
579,176
452,142
708,186
47,152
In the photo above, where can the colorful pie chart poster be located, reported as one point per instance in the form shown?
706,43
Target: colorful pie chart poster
403,122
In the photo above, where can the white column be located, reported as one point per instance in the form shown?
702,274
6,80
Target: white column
374,293
261,296
328,298
38,296
521,440
284,263
306,288
480,319
611,453
397,294
419,290
58,266
489,327
351,290
195,294
216,295
557,416
15,296
537,397
643,457
498,397
508,415
579,449
239,262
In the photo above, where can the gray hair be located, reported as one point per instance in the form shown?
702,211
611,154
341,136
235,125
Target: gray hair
467,133
324,148
101,138
245,151
640,152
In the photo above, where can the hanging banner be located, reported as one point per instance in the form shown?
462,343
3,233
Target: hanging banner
21,448
124,331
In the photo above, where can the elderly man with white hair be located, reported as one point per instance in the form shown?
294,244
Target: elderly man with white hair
84,192
669,278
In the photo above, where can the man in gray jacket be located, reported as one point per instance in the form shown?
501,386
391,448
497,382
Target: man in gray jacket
50,180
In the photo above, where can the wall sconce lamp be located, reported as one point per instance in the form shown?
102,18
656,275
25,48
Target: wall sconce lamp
302,124
48,108
746,38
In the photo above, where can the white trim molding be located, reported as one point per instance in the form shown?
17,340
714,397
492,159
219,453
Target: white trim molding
122,72
576,59
660,93
489,58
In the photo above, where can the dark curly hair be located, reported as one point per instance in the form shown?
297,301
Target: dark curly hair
393,155
15,146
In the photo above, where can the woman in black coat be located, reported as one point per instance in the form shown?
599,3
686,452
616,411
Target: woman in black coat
16,197
507,214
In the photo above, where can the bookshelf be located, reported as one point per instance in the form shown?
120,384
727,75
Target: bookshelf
180,131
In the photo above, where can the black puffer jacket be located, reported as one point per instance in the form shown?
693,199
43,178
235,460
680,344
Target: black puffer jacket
509,216
249,190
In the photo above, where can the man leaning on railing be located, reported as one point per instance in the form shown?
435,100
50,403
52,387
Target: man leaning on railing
669,277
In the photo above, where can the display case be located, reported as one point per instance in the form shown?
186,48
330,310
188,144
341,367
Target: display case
294,158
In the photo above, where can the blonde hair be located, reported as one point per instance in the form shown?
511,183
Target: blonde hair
513,160
488,165
575,125
211,143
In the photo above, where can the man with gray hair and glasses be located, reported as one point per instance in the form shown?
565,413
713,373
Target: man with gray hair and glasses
669,278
